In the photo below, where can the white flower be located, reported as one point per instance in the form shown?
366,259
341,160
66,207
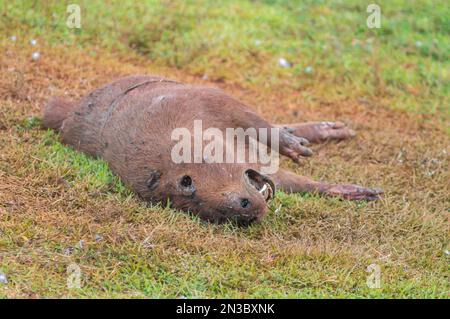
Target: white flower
35,56
284,63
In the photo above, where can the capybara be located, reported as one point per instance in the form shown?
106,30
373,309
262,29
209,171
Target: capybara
129,123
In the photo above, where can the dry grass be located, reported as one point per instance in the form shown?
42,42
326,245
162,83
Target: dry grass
52,198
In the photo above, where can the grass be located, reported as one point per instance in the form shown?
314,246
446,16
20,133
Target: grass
404,64
59,207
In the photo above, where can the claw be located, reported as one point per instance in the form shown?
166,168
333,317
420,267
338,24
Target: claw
294,146
338,125
303,141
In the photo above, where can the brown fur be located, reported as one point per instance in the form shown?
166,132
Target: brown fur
129,122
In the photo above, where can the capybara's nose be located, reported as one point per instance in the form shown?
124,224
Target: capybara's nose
242,203
244,208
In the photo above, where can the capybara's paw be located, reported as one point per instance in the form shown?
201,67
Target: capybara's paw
333,131
319,132
354,192
293,146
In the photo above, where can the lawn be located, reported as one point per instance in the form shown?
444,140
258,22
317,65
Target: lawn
60,209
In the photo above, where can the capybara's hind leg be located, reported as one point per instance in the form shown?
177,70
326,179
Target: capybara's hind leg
319,132
55,112
292,183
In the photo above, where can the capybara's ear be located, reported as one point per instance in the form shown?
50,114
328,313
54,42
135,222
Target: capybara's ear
186,185
153,180
261,182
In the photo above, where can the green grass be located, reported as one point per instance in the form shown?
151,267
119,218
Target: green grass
77,167
52,197
178,270
241,41
177,263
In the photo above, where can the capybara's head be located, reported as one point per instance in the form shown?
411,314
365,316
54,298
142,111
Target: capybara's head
216,192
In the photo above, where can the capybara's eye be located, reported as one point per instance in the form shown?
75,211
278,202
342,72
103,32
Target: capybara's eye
186,181
245,203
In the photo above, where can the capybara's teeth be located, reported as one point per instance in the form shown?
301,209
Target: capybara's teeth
266,191
263,189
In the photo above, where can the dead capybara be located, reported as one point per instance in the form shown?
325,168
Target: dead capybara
130,123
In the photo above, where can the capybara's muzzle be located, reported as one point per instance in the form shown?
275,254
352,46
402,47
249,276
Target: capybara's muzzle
250,204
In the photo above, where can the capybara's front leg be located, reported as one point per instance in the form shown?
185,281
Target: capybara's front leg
319,132
292,183
290,145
